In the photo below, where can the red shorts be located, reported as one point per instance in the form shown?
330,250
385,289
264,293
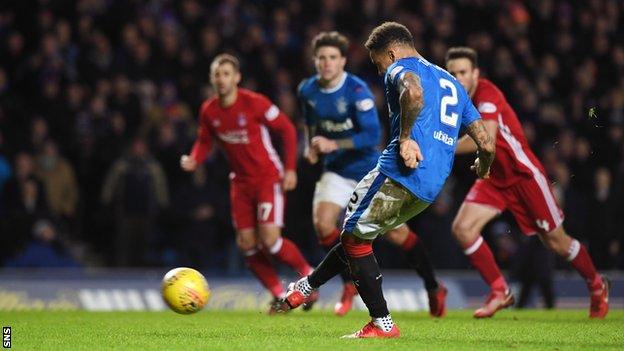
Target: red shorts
531,202
256,203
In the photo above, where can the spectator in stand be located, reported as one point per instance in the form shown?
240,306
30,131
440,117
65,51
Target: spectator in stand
44,250
24,201
136,187
89,74
602,229
59,181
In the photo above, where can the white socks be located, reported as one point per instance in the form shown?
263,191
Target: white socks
384,323
573,250
303,286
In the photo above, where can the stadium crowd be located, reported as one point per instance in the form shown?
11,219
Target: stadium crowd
99,98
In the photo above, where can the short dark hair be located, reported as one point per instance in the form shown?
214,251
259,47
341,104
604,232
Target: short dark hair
226,58
389,33
333,39
458,52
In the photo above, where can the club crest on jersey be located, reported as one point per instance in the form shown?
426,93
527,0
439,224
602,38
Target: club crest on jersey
216,123
341,105
242,120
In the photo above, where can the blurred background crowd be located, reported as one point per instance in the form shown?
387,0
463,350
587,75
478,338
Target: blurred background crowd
99,98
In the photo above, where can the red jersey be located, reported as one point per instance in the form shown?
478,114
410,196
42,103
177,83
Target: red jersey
514,159
242,131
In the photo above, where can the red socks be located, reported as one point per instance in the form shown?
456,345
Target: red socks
288,253
582,262
263,269
410,242
482,259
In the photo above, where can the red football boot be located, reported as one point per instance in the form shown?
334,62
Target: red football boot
370,330
310,300
599,306
293,299
497,300
346,300
437,301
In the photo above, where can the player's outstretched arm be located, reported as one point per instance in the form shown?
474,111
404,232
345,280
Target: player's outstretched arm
411,99
486,148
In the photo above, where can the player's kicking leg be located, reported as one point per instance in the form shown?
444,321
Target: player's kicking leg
331,196
376,200
466,229
576,253
418,259
325,215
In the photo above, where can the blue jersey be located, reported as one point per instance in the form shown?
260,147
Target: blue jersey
346,111
446,108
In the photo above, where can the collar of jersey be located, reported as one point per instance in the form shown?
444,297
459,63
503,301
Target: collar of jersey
337,87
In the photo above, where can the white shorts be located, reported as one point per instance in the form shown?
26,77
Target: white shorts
379,204
333,188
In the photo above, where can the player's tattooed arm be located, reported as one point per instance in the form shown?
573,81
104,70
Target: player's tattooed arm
411,99
485,146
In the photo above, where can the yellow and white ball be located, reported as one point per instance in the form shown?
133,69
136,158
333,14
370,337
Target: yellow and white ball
185,290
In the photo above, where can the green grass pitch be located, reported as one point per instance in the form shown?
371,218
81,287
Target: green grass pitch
317,330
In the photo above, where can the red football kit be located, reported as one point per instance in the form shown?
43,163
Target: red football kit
517,182
242,132
517,179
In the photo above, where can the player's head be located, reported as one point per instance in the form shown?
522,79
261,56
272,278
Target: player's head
225,74
389,42
461,62
330,54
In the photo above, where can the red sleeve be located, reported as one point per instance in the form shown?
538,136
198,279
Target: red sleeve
203,143
489,103
278,122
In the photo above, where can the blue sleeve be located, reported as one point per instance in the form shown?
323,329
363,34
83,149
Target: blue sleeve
305,109
395,72
367,119
470,113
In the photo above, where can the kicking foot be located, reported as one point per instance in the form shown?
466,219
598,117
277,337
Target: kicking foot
296,295
310,300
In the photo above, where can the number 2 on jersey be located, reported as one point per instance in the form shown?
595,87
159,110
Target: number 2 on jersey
448,100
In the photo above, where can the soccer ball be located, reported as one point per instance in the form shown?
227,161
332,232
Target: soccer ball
185,290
